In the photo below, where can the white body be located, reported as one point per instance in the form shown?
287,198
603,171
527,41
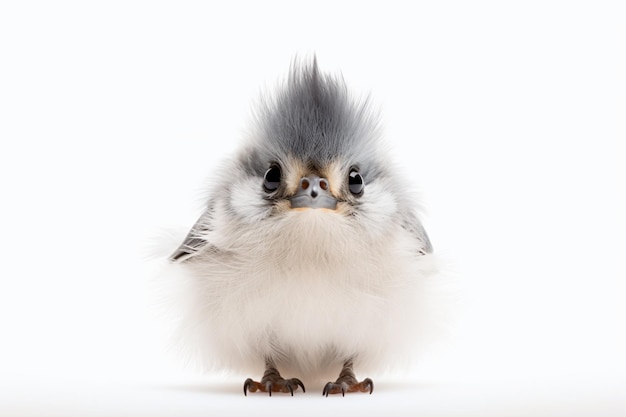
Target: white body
308,292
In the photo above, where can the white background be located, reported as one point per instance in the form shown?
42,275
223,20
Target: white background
509,119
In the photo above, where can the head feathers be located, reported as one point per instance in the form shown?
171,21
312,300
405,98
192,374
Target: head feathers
312,117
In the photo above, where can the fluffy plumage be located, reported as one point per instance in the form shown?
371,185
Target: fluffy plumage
308,289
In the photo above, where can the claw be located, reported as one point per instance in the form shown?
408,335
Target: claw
370,383
246,385
298,382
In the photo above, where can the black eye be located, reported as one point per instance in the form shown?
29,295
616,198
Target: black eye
355,182
271,182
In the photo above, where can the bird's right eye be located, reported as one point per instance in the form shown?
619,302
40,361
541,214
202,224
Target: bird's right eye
271,181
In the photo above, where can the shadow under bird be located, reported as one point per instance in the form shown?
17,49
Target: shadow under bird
310,257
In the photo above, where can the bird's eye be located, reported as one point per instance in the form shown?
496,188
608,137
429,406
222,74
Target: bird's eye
355,182
271,181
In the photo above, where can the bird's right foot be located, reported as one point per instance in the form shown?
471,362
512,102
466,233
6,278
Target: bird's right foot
272,382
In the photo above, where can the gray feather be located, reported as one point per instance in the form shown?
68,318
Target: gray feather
195,240
412,224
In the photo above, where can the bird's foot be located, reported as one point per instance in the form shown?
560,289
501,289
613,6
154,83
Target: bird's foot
347,382
342,386
272,382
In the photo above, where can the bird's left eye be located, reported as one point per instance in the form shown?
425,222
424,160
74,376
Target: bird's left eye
271,181
355,182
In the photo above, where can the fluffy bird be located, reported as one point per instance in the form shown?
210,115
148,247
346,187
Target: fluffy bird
309,258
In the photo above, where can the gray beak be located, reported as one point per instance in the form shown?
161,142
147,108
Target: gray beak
313,192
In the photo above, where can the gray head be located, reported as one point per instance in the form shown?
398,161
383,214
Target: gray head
313,144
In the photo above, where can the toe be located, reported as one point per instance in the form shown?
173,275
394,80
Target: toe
368,383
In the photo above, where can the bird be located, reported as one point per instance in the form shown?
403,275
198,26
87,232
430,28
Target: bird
310,257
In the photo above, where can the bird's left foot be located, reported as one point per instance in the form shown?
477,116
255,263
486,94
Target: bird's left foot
342,387
347,382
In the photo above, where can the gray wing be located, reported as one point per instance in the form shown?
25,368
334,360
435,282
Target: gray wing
412,224
195,240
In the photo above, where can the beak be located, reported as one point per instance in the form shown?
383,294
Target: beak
313,192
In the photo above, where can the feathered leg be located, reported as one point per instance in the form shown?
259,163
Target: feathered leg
347,382
272,382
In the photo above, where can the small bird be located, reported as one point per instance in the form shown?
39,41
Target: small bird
309,257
